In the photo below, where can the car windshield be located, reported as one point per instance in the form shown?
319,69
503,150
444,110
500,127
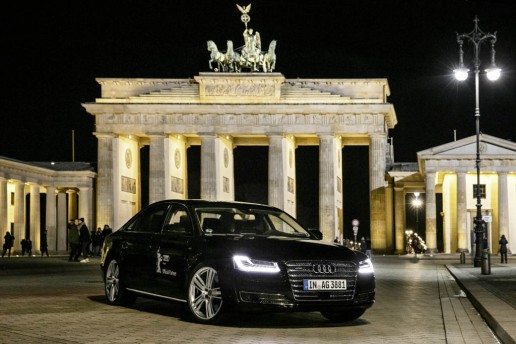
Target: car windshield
226,220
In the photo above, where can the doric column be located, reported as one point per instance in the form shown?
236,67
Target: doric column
399,219
276,171
4,222
62,222
462,213
19,213
158,159
330,185
431,233
105,189
208,167
177,165
86,206
377,184
35,217
73,212
51,218
503,205
282,173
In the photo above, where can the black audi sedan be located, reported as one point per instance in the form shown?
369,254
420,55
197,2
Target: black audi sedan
221,257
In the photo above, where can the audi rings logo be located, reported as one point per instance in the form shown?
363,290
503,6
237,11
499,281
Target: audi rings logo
324,268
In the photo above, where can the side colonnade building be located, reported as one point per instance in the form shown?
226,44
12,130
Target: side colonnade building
40,196
220,111
446,178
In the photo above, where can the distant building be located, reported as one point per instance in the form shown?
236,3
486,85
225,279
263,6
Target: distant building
446,178
44,195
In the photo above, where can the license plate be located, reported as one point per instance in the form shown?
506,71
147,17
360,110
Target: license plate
324,284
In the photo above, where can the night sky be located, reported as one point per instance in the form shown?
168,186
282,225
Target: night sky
53,51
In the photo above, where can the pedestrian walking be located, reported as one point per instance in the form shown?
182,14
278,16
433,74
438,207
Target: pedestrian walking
23,246
44,243
84,239
73,241
28,246
8,244
368,250
503,249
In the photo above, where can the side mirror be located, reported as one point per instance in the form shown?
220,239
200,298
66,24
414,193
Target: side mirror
315,232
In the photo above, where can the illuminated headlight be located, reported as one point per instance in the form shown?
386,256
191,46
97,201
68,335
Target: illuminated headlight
244,263
365,266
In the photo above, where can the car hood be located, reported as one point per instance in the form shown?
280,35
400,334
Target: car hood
274,247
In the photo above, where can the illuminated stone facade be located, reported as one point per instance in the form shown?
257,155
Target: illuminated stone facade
220,111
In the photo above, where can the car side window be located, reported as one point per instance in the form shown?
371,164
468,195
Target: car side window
150,220
179,222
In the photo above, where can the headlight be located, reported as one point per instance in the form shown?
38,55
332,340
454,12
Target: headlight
365,266
244,263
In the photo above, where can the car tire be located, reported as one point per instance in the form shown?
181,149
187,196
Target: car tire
344,315
204,295
114,286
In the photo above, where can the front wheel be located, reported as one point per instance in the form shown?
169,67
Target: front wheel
344,315
114,287
204,295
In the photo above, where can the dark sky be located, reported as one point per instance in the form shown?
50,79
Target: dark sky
54,50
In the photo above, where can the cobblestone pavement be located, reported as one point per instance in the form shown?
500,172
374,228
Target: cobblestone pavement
48,300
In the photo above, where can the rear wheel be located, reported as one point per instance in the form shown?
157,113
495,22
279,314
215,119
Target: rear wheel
204,295
344,315
116,293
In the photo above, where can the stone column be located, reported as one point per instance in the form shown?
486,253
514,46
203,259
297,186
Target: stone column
377,184
35,218
431,234
51,218
282,173
462,213
329,186
276,171
4,222
62,222
73,212
158,159
399,219
86,206
503,205
19,213
208,167
105,189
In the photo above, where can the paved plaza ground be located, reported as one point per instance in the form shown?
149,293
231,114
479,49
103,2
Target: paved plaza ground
48,300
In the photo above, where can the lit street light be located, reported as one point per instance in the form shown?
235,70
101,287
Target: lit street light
477,37
416,203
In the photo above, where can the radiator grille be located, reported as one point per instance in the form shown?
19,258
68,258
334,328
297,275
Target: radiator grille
301,269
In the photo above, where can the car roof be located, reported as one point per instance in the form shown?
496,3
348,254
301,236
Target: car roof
208,203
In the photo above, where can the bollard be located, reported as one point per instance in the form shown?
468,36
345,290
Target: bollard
486,262
463,257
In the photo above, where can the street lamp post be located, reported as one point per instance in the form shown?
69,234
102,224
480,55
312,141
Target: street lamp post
477,37
416,202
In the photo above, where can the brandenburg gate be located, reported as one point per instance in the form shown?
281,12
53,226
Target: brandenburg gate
229,107
222,110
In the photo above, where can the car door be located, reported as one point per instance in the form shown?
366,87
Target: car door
177,250
140,247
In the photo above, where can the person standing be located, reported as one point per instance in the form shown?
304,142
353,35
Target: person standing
8,244
23,246
503,248
363,245
368,243
73,241
44,243
84,239
28,246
